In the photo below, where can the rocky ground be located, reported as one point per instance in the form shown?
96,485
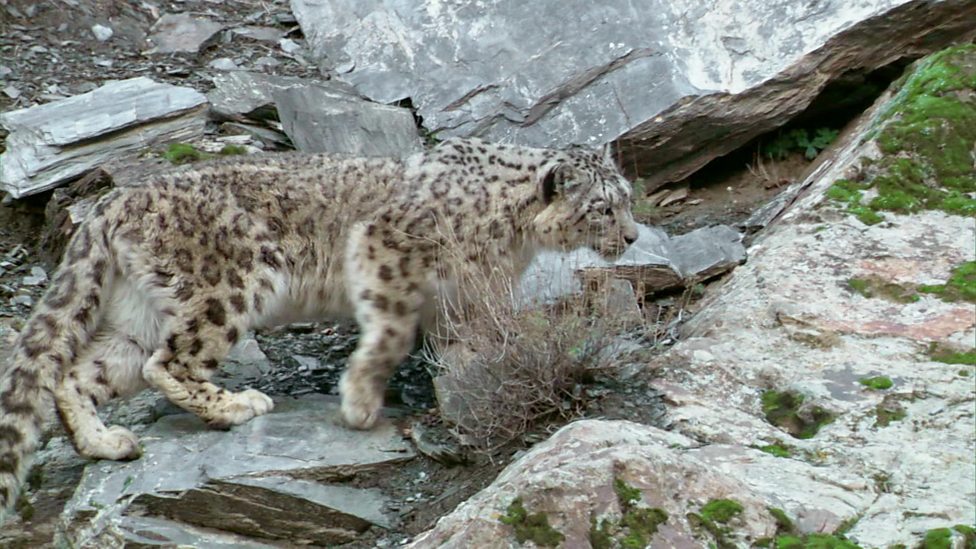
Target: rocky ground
696,411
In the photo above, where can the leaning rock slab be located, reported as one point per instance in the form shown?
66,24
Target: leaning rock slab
676,84
273,478
52,143
318,119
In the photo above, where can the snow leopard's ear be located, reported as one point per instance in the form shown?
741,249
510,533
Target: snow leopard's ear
554,178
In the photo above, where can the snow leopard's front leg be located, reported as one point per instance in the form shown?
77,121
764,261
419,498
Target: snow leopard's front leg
384,287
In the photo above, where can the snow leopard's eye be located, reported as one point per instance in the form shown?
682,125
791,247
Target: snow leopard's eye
608,211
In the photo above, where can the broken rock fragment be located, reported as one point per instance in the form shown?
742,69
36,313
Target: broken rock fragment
182,32
318,119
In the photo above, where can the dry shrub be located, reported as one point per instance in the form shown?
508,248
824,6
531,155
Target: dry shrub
505,368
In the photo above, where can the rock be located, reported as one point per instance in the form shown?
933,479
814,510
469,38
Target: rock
574,479
182,32
281,477
37,277
675,85
655,262
223,64
102,33
242,95
317,119
268,139
52,143
261,34
791,337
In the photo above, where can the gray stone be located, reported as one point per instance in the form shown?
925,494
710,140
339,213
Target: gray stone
182,32
273,478
262,34
318,119
654,262
706,252
224,64
571,479
52,143
240,95
675,84
37,277
102,33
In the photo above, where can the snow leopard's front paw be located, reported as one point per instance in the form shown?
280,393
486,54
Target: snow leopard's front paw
240,407
361,402
116,442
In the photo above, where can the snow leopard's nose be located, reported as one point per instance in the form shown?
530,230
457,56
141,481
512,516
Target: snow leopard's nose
630,238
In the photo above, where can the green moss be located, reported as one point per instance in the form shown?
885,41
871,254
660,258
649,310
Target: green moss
626,495
232,150
714,517
783,522
968,535
721,510
184,153
814,541
961,285
530,527
887,411
939,538
601,535
783,409
874,286
641,525
925,135
776,450
877,383
949,355
637,525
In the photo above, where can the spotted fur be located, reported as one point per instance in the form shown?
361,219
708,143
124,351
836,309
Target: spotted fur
163,279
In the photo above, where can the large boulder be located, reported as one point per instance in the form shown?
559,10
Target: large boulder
827,387
676,83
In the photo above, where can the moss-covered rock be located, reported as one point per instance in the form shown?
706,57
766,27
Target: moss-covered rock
925,136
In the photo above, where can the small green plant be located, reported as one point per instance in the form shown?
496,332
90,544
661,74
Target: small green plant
961,285
636,527
876,383
949,355
874,286
184,153
777,450
714,517
851,194
799,140
888,411
788,538
530,527
782,409
232,150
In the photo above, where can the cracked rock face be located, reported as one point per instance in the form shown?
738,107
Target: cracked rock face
677,83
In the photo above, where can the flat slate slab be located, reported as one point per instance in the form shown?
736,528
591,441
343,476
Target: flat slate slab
52,143
273,478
